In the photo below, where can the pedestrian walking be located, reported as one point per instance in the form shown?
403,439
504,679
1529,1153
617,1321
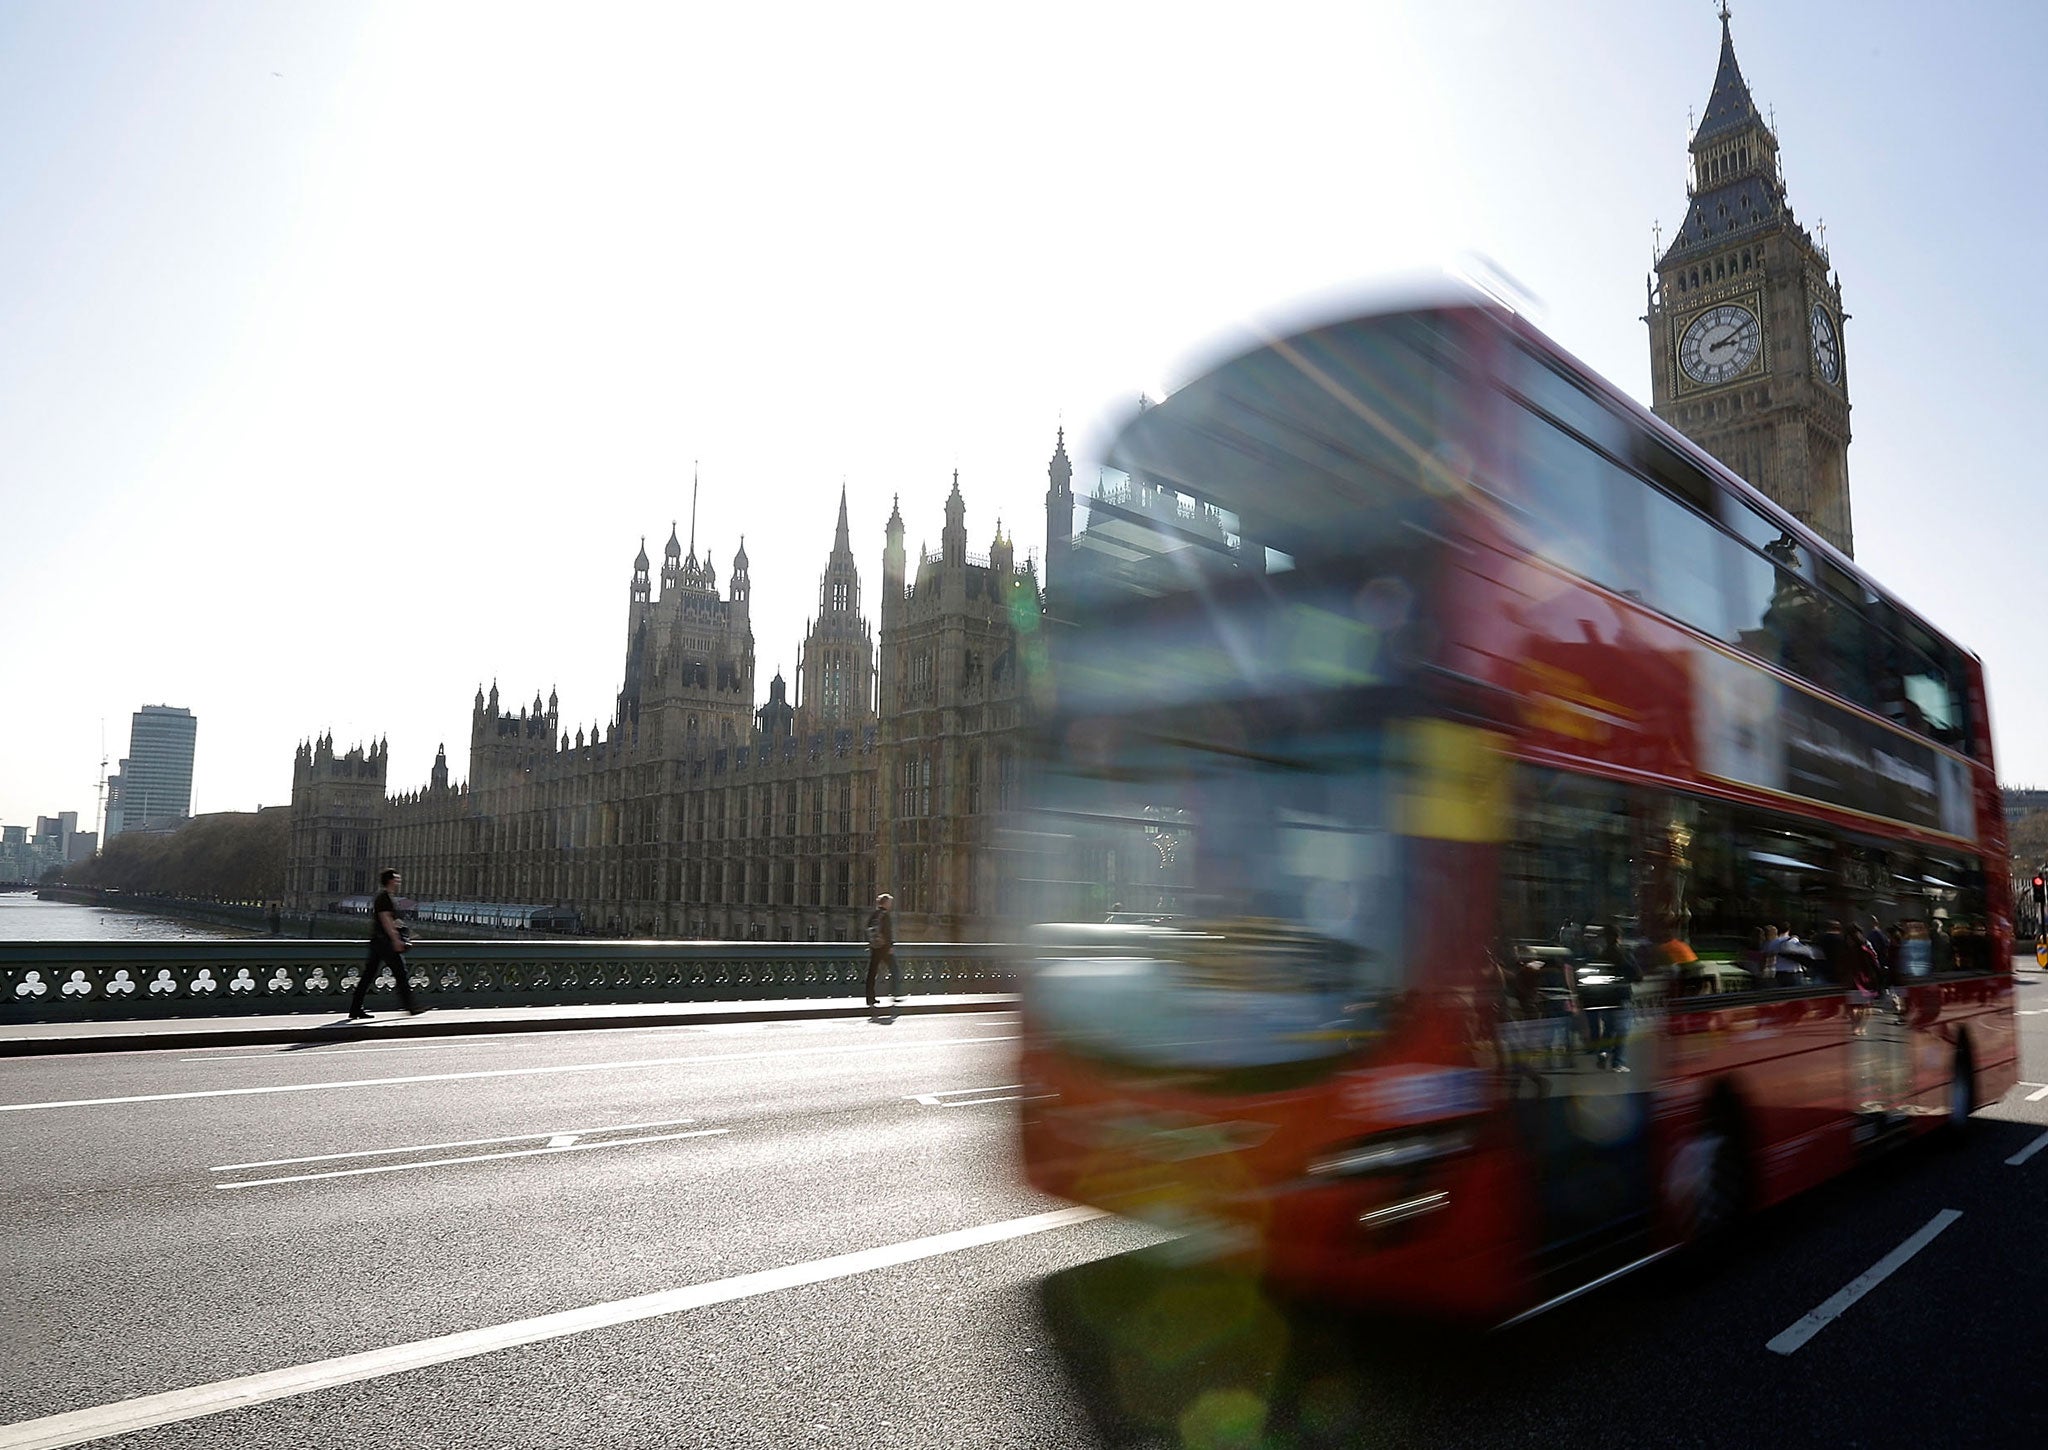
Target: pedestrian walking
882,948
388,945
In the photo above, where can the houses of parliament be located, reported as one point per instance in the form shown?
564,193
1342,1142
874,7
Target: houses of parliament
699,814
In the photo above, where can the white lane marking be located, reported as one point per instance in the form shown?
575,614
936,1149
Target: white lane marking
455,1143
570,1147
306,1054
978,1102
2027,1152
78,1426
561,1140
899,1045
2037,1094
932,1100
1862,1284
485,1037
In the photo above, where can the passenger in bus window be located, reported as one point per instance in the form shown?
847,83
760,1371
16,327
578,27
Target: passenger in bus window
1794,966
1972,948
1676,955
1911,951
1865,982
1557,985
1771,960
1940,951
1834,952
1608,1004
1881,947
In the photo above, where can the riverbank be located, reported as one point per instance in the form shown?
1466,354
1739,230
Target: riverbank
26,918
252,918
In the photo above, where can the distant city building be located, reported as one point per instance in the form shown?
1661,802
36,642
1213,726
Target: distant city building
2023,801
1746,322
25,855
154,785
61,834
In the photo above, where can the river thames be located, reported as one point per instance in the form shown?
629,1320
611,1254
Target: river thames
25,918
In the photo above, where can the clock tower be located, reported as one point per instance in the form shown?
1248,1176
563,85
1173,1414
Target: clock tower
1746,320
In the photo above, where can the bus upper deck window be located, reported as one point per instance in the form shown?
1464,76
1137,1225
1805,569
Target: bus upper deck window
1556,395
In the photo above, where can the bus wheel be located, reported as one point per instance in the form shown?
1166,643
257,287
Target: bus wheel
1962,1093
1706,1185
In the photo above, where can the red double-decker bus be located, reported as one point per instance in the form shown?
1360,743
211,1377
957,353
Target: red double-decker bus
1483,843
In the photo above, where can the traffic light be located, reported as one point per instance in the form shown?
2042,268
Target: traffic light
2040,891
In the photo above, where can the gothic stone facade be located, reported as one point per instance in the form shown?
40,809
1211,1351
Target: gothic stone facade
1746,321
694,814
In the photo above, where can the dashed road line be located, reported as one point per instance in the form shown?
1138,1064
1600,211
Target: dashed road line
1789,1341
78,1426
572,1146
938,1099
453,1143
2027,1152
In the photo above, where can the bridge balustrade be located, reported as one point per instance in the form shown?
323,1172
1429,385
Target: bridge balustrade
75,981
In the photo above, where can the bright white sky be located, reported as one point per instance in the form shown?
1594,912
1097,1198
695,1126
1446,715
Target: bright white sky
349,350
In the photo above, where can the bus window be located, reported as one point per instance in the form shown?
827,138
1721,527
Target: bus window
1752,589
1684,574
1551,392
1675,473
1298,835
1952,893
1765,536
1584,511
1854,653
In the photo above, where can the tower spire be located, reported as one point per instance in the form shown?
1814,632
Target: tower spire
841,540
693,508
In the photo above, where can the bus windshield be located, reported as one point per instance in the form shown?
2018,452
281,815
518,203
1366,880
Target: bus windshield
1202,832
1250,901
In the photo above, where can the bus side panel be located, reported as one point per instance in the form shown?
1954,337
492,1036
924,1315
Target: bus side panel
1941,1013
1786,1061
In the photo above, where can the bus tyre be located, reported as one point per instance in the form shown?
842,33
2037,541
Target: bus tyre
1962,1093
1707,1183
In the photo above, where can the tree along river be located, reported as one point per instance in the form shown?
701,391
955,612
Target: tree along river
25,918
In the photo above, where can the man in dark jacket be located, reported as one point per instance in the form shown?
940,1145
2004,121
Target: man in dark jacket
388,945
882,948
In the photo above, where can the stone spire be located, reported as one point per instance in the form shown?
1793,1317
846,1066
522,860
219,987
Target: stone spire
953,539
1736,186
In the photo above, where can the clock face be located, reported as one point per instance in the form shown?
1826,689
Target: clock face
1827,348
1720,343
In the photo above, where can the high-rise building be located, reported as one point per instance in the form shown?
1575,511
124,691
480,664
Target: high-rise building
1745,319
154,785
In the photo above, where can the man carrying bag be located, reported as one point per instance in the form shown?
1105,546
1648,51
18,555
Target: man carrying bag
882,948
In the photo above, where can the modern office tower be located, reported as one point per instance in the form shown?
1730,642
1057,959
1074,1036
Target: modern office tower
154,787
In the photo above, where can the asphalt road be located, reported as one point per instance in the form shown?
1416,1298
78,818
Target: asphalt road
180,1221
